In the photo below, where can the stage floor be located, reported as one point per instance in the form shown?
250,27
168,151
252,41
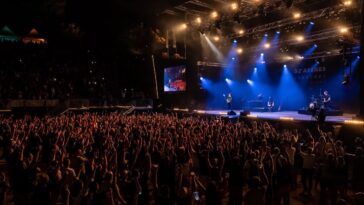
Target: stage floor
284,115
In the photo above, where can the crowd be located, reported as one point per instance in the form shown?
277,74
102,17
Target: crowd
168,159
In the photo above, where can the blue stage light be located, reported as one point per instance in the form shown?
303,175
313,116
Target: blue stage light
266,35
250,82
261,54
235,41
312,23
255,69
315,45
201,78
358,57
278,32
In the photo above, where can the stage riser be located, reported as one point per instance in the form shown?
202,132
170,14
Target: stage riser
328,113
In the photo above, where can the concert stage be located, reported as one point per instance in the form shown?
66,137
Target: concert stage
283,115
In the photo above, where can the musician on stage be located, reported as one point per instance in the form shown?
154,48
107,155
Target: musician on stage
270,104
326,99
229,99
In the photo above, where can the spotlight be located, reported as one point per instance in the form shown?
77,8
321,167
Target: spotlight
284,66
255,69
183,26
216,38
347,3
267,45
312,23
300,57
235,41
250,82
296,15
346,80
266,35
241,31
239,50
343,30
278,32
233,58
201,78
358,57
214,14
300,38
234,6
262,54
315,45
198,20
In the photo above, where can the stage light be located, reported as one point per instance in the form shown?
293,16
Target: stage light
214,14
262,54
267,45
284,66
183,26
198,20
234,6
241,31
266,35
278,32
312,23
200,111
343,30
250,82
296,15
355,122
300,38
235,41
346,80
239,50
216,38
180,109
252,116
228,81
347,3
315,45
233,58
287,118
287,58
255,69
201,78
358,57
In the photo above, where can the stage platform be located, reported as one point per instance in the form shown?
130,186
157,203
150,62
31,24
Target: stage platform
283,115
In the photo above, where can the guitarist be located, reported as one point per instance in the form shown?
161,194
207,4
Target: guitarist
270,104
229,99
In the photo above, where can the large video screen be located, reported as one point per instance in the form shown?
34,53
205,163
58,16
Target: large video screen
175,79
